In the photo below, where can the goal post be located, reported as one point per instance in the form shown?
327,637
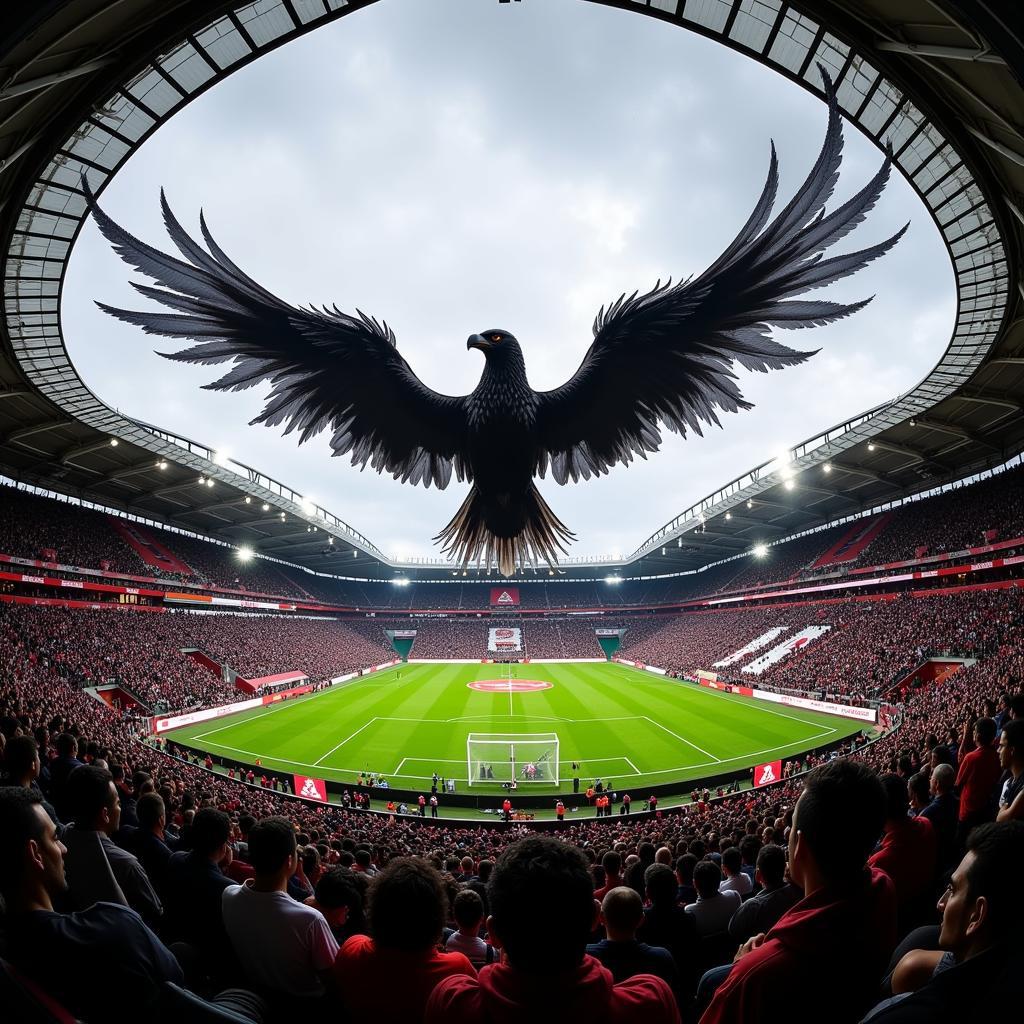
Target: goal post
526,758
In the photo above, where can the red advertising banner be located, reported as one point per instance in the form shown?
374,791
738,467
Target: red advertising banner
505,597
766,774
310,789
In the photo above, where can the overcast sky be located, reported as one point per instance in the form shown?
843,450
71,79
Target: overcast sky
456,165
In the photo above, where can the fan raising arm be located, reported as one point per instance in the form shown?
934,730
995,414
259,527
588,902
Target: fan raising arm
327,368
666,357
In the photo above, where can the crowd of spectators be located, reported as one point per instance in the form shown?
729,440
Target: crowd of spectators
702,911
60,531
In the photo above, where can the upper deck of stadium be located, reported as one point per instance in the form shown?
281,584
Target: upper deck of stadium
86,84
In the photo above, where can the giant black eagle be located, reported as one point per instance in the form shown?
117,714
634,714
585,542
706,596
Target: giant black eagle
661,358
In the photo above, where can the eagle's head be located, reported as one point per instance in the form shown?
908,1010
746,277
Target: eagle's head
496,345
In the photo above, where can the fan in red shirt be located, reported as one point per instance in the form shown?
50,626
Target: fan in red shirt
387,979
976,781
542,913
823,958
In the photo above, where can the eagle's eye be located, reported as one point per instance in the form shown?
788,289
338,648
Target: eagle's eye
495,337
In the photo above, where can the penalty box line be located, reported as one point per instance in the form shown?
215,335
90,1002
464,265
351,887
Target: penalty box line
462,761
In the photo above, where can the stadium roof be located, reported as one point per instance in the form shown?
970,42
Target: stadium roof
85,83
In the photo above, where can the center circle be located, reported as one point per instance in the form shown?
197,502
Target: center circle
509,685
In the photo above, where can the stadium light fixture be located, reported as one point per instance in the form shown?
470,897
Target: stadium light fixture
245,553
266,507
750,504
113,442
355,553
790,484
202,480
330,540
827,467
728,515
871,446
162,464
401,581
760,550
613,579
282,517
248,500
209,481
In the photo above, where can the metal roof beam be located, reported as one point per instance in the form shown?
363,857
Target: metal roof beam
16,436
85,449
972,54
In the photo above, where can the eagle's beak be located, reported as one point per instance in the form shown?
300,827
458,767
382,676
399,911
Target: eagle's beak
477,341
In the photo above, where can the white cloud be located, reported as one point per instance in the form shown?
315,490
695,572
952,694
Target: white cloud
456,166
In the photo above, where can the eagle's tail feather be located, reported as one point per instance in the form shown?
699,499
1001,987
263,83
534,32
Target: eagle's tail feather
540,538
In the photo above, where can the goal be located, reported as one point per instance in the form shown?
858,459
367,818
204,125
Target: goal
506,757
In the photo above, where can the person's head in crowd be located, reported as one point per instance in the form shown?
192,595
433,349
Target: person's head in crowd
684,868
984,732
408,905
836,823
151,814
272,853
485,870
771,866
707,877
663,855
749,847
660,884
622,910
67,745
339,897
919,788
31,854
1017,706
732,861
897,802
943,780
539,879
612,864
93,800
468,911
209,834
984,904
363,859
698,849
1011,746
22,760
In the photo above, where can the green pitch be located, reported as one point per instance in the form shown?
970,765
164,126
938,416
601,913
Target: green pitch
622,725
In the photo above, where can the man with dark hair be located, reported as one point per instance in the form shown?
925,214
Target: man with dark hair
760,912
1011,759
194,884
102,963
284,946
823,958
666,923
21,759
95,807
908,851
339,895
622,912
975,976
148,842
408,907
714,909
612,864
736,880
542,913
976,780
686,893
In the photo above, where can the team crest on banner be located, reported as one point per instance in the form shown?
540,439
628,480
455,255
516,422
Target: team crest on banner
505,597
766,774
310,789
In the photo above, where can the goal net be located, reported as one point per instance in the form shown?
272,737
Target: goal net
506,757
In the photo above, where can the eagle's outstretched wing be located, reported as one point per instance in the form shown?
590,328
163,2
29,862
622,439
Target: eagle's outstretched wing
327,368
665,357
